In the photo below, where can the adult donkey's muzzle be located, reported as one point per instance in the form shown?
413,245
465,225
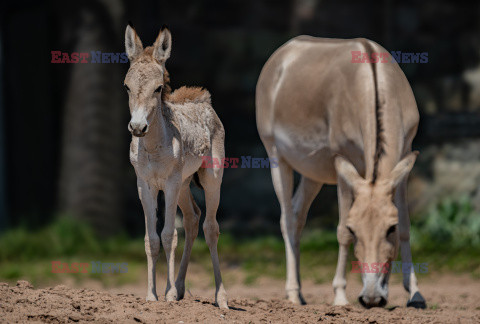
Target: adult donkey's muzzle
138,129
374,301
375,290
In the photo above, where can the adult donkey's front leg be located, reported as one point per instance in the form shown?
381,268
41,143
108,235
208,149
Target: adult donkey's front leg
344,240
148,197
409,279
169,234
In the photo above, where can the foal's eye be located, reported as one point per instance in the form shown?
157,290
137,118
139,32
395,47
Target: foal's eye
126,87
159,89
391,230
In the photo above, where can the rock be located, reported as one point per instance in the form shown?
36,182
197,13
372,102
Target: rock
24,284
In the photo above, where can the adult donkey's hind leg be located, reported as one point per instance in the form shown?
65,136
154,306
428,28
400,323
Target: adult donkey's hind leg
148,197
409,279
304,195
191,216
282,177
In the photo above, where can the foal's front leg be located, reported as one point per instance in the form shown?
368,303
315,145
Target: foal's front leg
169,234
148,197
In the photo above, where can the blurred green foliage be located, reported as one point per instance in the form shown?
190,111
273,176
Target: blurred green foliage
447,236
451,224
28,253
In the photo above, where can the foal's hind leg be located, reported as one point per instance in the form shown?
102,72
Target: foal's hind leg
211,180
191,216
169,233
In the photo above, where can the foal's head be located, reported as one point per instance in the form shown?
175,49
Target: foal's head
147,79
372,224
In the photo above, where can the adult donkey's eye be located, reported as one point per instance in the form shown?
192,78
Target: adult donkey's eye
391,230
159,89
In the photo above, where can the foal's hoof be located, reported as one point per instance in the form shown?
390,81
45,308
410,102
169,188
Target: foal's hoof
417,301
296,297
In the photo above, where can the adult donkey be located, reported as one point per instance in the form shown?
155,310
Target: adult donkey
171,132
337,122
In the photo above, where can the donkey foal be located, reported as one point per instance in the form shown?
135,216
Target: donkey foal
171,132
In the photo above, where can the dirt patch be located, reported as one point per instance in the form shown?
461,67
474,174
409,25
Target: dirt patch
450,300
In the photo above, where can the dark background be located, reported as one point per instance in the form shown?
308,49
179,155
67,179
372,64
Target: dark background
63,127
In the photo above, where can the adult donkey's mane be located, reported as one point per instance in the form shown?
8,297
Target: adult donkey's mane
380,139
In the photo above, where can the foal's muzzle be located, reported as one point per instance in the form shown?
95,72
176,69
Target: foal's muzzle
137,129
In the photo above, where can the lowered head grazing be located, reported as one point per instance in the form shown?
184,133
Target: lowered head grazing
147,79
372,225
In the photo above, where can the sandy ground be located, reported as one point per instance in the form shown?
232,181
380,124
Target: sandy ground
451,299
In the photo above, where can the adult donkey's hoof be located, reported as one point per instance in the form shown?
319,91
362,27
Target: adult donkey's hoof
222,299
296,297
171,295
417,301
340,301
151,297
180,290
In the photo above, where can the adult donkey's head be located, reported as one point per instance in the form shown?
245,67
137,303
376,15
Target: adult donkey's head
147,79
372,225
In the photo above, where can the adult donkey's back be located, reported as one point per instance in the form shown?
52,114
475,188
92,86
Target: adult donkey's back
344,123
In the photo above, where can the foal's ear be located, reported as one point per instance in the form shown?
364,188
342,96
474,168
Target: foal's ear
163,45
402,169
133,44
348,173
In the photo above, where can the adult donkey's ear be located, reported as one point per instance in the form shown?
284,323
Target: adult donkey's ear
133,44
348,173
163,45
402,169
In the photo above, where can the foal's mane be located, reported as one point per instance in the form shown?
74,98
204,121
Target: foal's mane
189,94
